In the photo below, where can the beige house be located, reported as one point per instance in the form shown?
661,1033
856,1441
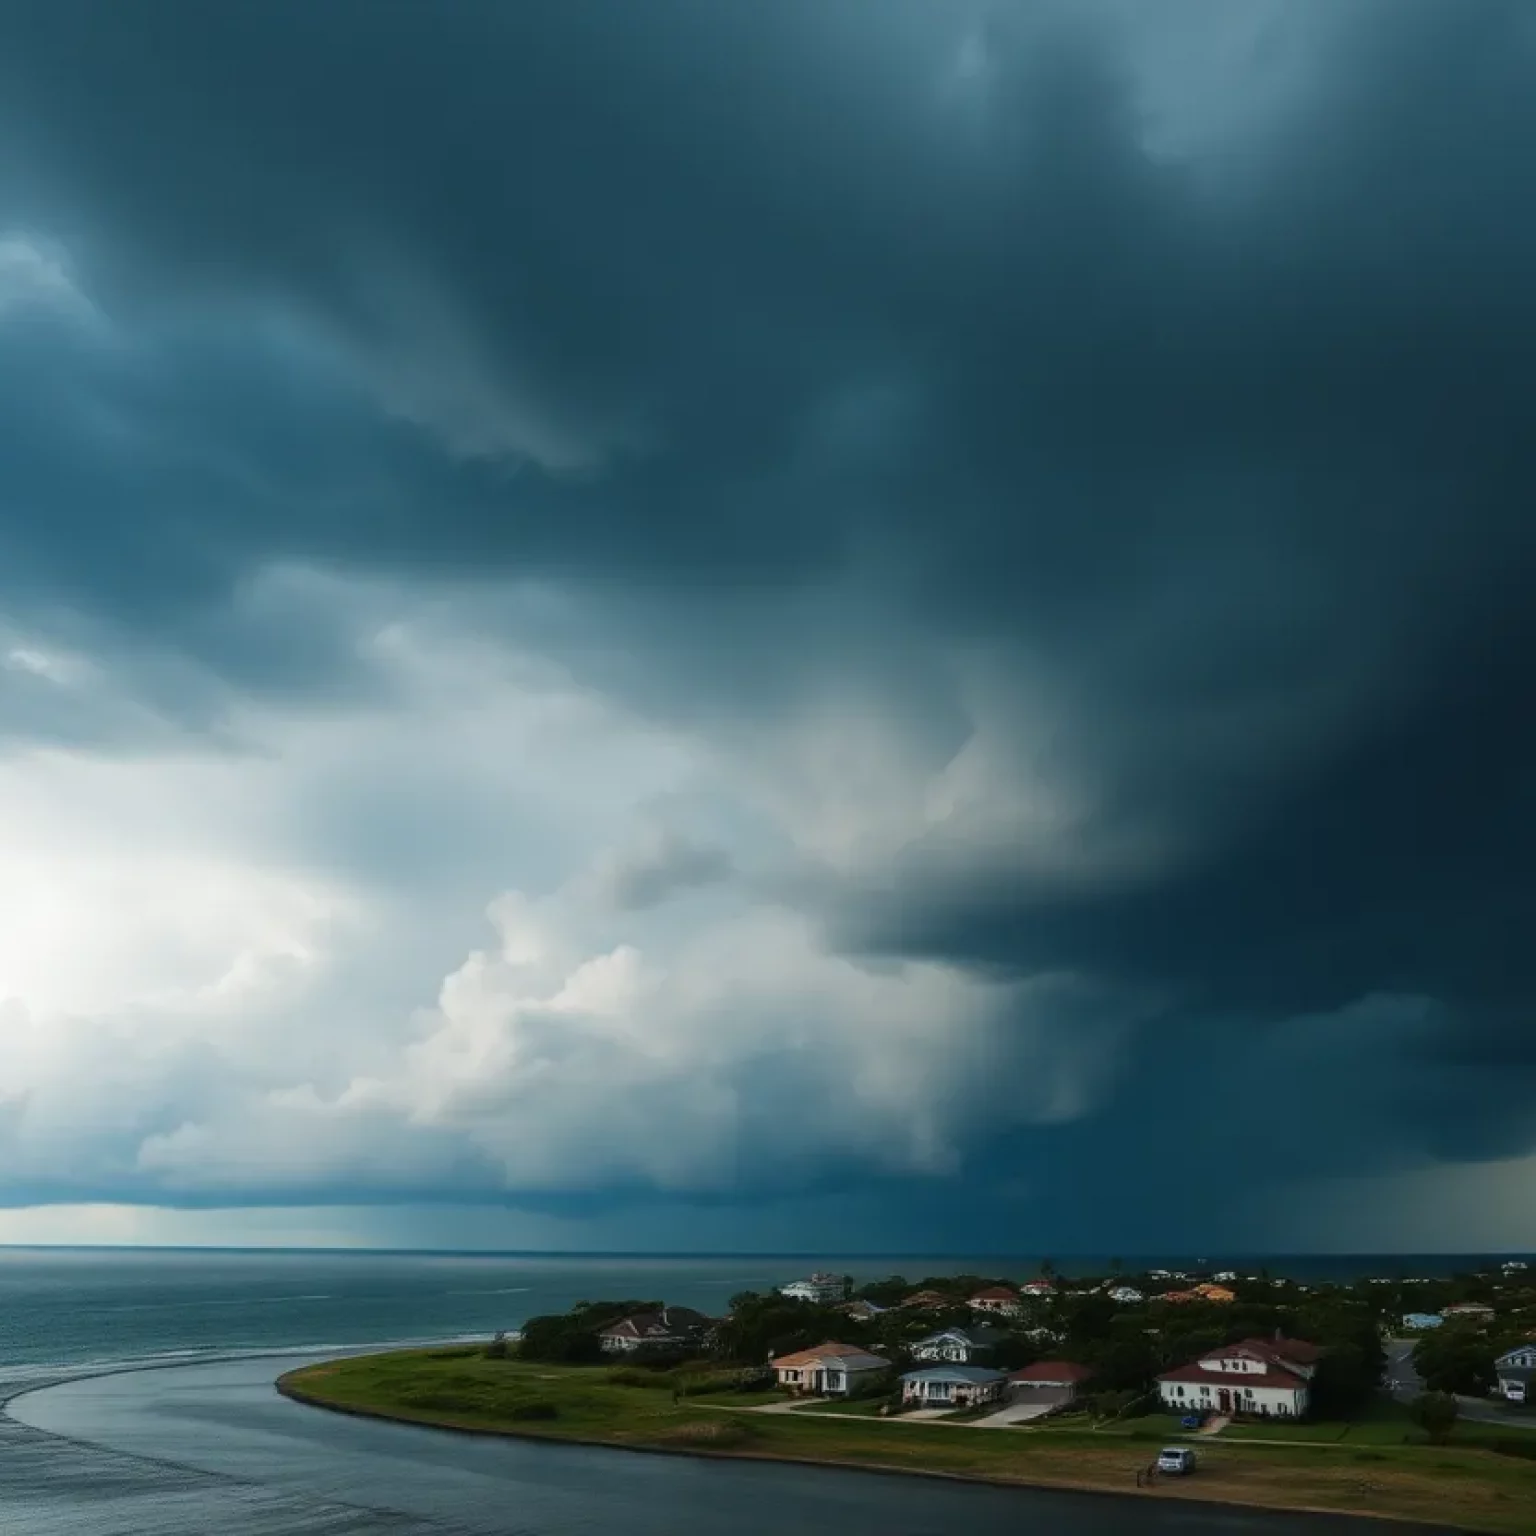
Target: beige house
829,1370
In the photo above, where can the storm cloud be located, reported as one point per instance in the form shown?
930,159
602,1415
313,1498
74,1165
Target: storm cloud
970,562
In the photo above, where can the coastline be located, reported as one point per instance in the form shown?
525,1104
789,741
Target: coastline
1193,1492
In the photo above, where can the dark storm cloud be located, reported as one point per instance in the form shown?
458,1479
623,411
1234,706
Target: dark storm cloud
713,307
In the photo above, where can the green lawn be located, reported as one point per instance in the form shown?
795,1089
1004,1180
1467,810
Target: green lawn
1474,1490
858,1407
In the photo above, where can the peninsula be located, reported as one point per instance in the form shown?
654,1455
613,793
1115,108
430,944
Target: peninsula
1044,1383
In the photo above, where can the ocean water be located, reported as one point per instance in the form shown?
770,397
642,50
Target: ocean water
136,1399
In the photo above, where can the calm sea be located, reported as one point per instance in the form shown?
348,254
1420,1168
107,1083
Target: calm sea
90,1306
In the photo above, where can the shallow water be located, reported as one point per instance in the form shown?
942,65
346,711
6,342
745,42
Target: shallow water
212,1450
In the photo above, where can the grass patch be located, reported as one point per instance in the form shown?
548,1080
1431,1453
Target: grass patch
1471,1489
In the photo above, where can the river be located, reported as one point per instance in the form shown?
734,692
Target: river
210,1449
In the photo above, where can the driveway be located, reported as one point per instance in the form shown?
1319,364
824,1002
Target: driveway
1405,1384
1027,1403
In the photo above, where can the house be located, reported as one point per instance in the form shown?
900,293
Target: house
996,1299
1267,1377
1421,1320
1179,1298
955,1386
1038,1288
1513,1266
930,1300
1468,1311
860,1311
819,1288
1126,1293
1054,1381
1217,1293
963,1346
670,1328
1224,1276
829,1370
1516,1373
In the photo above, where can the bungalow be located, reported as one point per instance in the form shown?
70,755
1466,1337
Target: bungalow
963,1346
929,1300
957,1386
819,1288
1267,1377
1126,1293
1217,1293
1421,1320
1050,1380
670,1328
829,1370
1516,1372
996,1299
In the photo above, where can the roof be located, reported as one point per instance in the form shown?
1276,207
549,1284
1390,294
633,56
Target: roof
1524,1373
1518,1349
980,1337
848,1354
1198,1373
929,1299
972,1375
1282,1351
670,1320
1039,1285
995,1293
1051,1372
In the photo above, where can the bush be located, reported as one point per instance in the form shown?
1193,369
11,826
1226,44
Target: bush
1436,1414
497,1348
534,1410
716,1435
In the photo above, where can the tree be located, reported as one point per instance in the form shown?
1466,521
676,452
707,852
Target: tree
1047,1269
1455,1359
847,1287
1436,1414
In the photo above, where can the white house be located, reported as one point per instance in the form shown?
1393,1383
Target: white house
959,1345
1038,1288
958,1386
997,1300
1126,1293
1267,1377
670,1328
818,1287
1224,1276
1516,1372
829,1370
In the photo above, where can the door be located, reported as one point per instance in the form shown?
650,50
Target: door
1225,1397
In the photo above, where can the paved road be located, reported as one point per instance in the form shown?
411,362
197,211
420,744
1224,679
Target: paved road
1405,1385
212,1448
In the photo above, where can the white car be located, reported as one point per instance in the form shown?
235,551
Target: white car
1176,1460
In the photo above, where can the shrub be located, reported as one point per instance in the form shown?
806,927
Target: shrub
1436,1414
535,1410
717,1434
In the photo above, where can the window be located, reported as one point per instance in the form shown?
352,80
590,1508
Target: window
1247,1391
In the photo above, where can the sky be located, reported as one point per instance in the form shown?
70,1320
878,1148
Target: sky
867,626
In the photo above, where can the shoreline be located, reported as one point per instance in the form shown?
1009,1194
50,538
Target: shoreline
286,1387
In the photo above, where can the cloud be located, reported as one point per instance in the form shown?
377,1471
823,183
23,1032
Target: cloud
663,863
1024,493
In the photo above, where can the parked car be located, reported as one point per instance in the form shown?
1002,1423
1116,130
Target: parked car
1176,1460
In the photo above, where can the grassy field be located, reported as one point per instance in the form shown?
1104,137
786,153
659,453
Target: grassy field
1475,1490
